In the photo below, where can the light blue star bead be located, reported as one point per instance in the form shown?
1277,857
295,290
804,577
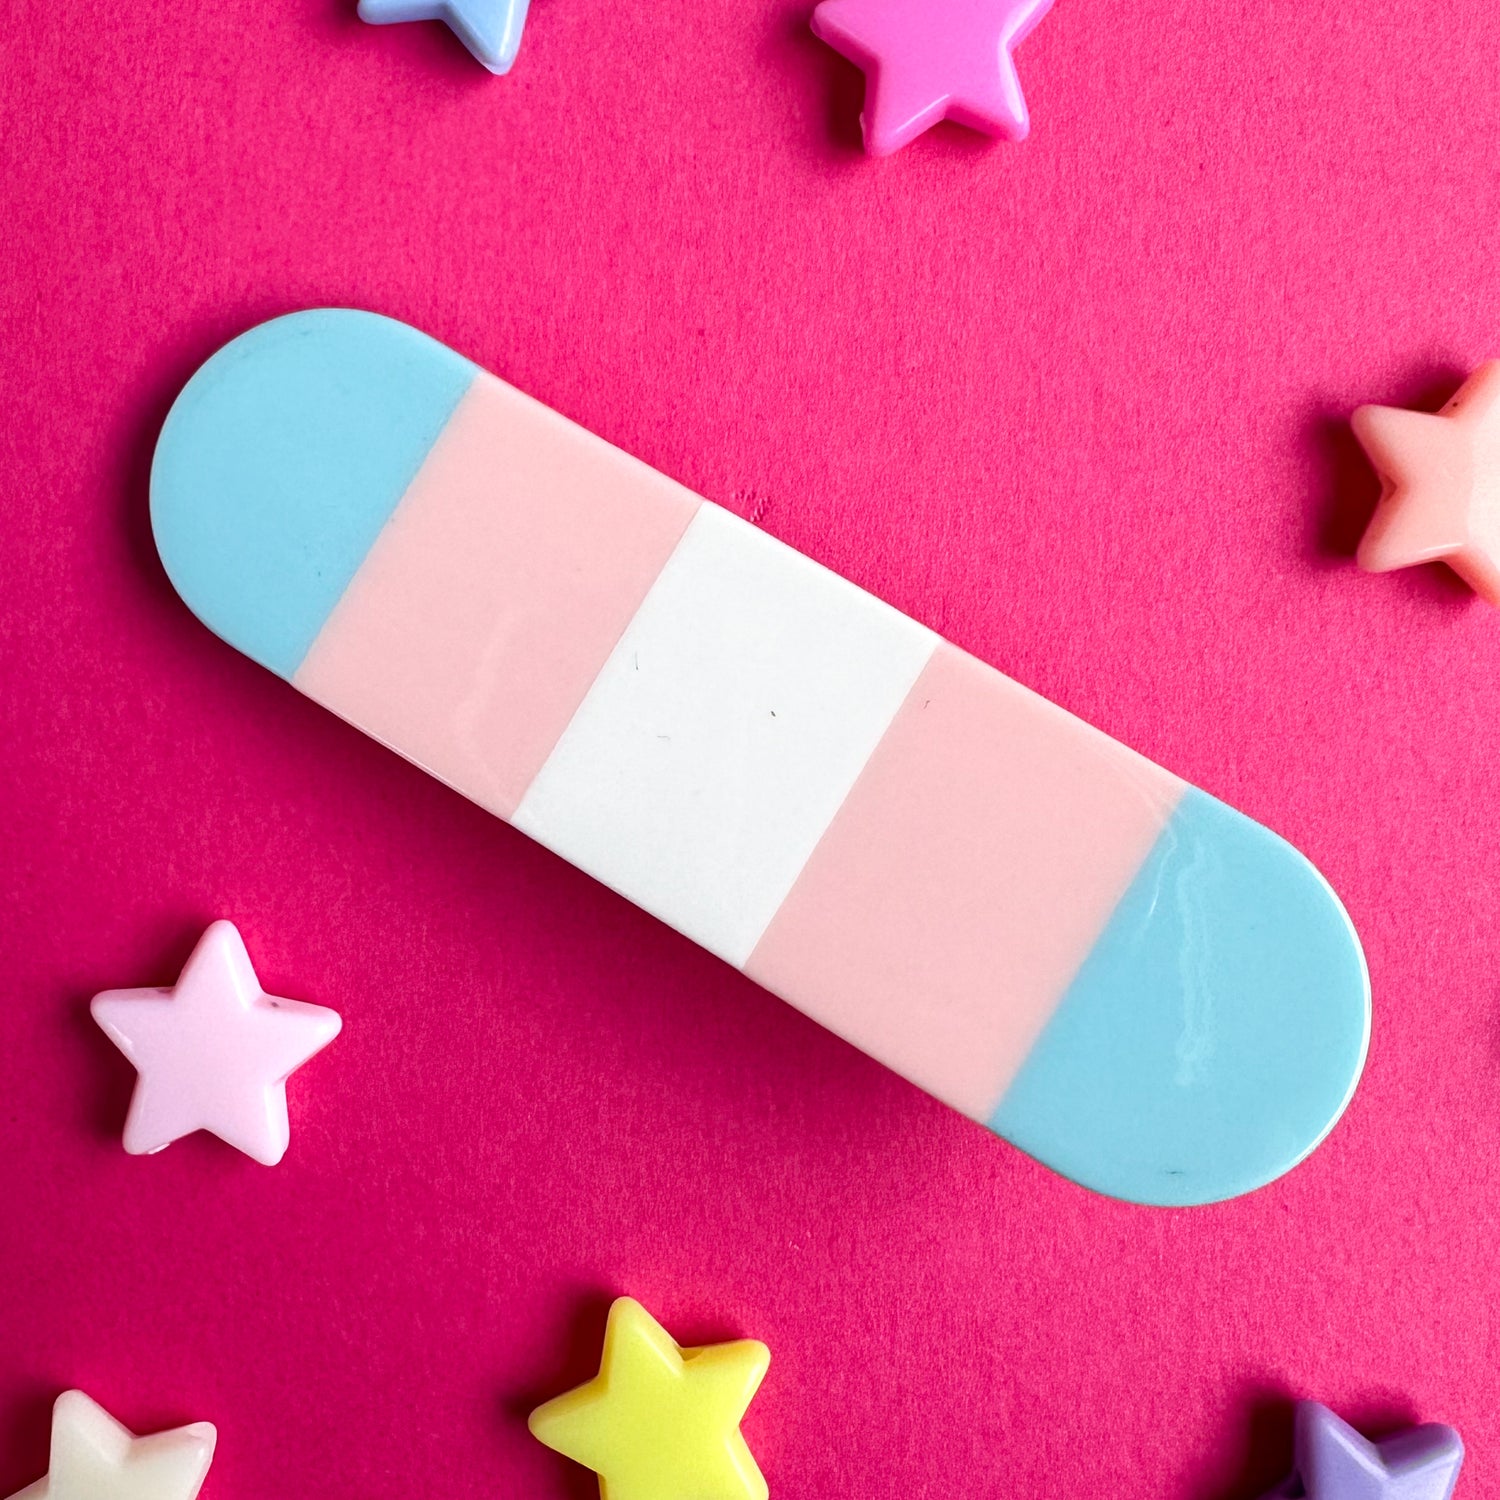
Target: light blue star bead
490,29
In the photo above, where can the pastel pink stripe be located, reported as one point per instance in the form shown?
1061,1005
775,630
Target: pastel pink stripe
975,862
494,594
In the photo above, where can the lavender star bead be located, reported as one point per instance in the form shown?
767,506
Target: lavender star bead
1333,1462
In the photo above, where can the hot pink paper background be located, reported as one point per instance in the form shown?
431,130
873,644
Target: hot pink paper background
1079,404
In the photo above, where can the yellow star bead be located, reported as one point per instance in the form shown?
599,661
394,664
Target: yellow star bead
659,1422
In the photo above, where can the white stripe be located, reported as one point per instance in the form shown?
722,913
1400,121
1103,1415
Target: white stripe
724,732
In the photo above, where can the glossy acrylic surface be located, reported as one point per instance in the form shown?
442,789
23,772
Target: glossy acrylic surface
301,436
475,625
1216,1030
1198,1014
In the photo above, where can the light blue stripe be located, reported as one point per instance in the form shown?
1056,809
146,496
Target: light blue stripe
280,462
1216,1031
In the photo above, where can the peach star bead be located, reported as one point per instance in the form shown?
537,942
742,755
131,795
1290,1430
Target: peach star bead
659,1422
1441,478
95,1458
213,1052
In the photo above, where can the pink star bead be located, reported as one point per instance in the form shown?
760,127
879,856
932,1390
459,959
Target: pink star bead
1441,478
931,60
213,1052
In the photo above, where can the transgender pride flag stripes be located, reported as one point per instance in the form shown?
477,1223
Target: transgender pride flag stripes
1142,988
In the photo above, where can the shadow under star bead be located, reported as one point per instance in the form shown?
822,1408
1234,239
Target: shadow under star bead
94,1458
1333,1462
1440,474
931,60
659,1422
213,1052
490,29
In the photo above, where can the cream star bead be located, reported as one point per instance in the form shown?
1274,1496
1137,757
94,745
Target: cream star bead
95,1458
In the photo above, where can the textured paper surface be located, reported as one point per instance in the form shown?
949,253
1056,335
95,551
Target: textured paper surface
1078,404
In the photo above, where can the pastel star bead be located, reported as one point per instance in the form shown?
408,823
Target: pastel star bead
490,29
95,1458
213,1052
1333,1462
1441,484
659,1422
931,60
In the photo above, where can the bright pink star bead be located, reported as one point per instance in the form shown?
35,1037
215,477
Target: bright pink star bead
931,60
